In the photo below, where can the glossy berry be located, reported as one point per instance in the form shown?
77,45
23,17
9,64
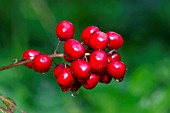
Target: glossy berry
65,30
98,40
67,58
87,33
76,86
115,56
115,40
104,77
42,63
80,69
74,49
98,60
57,69
116,69
29,55
91,82
65,79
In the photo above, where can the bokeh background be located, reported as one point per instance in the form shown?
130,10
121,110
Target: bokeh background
145,26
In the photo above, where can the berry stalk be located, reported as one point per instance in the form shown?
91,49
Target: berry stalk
21,62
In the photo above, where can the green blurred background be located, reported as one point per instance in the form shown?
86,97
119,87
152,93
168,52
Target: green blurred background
145,26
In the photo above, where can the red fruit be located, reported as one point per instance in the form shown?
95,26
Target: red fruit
42,63
65,30
64,89
67,58
98,40
80,69
115,56
65,79
58,69
76,86
116,69
115,40
29,55
98,60
104,78
87,33
73,49
91,82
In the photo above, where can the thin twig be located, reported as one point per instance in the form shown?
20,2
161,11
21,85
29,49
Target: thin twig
21,62
56,55
55,51
14,65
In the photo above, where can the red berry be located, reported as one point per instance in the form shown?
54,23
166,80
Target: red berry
65,30
80,69
98,60
98,40
64,89
104,78
92,81
29,55
74,49
115,40
65,79
76,86
87,33
116,69
42,63
67,58
115,56
58,69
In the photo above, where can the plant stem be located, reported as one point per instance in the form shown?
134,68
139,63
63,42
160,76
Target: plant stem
55,51
26,61
21,62
14,65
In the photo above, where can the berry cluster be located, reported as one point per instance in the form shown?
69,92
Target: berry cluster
86,64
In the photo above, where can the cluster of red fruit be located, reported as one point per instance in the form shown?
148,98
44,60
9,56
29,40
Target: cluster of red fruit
92,61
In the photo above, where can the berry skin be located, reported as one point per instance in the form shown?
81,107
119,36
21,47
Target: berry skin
115,40
65,30
76,86
104,77
65,79
98,40
67,58
98,60
91,82
115,56
74,49
58,69
29,55
116,69
42,63
80,69
87,33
